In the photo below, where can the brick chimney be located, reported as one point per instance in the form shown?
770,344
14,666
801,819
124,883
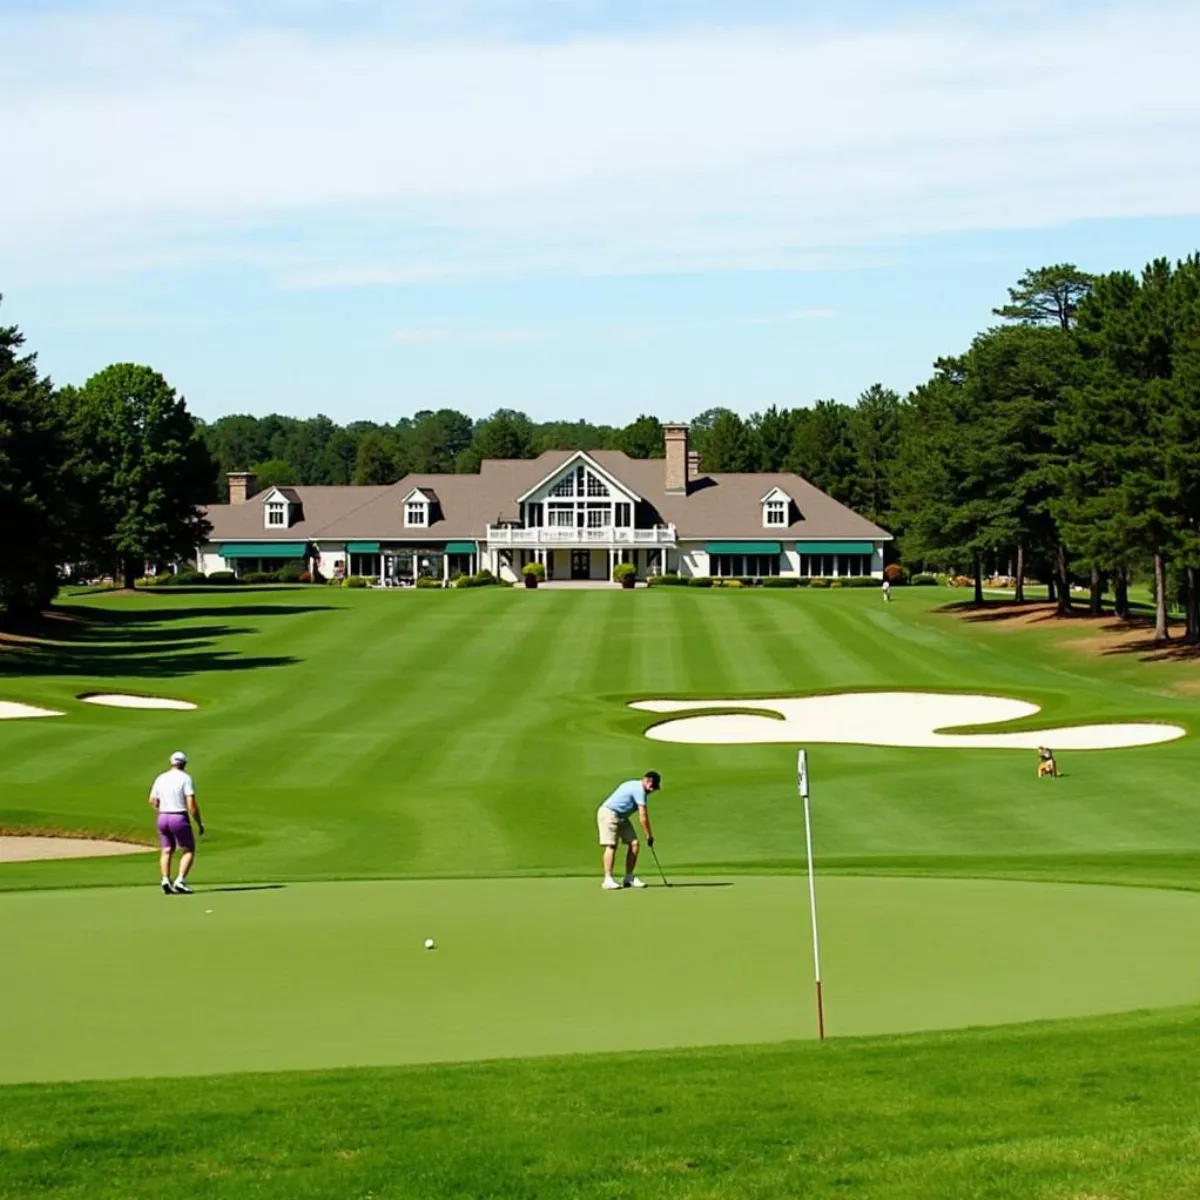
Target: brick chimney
675,447
242,485
693,465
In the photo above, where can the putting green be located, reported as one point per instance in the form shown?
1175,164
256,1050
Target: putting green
126,982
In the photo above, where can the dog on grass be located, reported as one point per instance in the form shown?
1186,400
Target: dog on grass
1046,763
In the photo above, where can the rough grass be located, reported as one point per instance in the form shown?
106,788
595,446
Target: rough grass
1089,1110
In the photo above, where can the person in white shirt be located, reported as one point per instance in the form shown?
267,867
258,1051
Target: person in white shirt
173,795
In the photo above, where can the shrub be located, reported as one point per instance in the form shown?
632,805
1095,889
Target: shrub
924,580
728,583
424,582
781,581
893,573
355,581
260,577
803,581
305,577
835,583
223,578
182,579
483,577
463,581
669,579
859,581
818,583
536,569
624,571
702,581
292,574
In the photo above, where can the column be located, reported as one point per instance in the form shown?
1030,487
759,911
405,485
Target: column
445,567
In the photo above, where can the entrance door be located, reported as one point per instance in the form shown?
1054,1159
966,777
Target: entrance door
581,564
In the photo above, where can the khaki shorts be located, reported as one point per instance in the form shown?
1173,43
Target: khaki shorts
614,827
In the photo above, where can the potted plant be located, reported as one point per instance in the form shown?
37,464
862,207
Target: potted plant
625,574
533,573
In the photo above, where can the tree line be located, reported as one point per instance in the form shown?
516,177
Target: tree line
1063,444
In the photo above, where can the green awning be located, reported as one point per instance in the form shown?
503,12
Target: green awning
460,547
362,547
836,547
744,548
264,550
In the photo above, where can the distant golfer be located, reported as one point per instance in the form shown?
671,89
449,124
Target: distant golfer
614,824
173,794
887,591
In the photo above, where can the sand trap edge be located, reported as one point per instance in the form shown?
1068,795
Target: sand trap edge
10,710
16,848
126,700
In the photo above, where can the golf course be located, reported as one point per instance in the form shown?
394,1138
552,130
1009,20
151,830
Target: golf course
379,768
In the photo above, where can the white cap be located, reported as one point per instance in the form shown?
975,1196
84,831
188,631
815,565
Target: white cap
179,759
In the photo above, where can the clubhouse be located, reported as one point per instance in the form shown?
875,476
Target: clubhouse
577,512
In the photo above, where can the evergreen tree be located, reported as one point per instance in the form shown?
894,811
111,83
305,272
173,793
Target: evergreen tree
642,438
729,445
773,430
36,491
822,451
1047,295
874,433
376,461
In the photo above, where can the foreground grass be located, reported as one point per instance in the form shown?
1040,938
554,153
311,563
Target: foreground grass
1099,1110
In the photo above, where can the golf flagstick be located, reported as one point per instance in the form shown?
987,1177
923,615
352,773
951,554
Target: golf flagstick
659,866
802,785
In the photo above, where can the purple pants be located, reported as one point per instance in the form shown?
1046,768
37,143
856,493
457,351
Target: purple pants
175,832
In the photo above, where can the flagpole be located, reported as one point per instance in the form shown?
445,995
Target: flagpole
802,783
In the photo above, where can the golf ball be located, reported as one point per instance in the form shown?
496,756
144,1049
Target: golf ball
429,943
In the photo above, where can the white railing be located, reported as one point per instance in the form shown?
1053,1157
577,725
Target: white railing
607,535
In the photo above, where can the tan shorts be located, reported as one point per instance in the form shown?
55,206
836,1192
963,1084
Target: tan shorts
614,828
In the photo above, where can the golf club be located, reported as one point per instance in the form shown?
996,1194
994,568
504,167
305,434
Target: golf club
658,865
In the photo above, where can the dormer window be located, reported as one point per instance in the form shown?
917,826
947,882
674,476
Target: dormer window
776,509
276,514
416,513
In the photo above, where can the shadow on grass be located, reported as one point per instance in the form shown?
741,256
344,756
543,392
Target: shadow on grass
247,887
79,640
722,883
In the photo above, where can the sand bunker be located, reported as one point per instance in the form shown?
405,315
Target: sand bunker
117,700
887,719
10,710
31,849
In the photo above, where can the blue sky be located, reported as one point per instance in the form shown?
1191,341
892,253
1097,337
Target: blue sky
578,208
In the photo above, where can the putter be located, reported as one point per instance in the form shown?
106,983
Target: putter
659,866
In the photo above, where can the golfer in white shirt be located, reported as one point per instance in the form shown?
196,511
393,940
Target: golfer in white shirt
173,795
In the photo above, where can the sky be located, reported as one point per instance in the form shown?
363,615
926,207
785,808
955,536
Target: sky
582,209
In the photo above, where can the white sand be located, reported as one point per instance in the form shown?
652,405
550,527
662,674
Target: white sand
116,700
887,719
30,849
10,710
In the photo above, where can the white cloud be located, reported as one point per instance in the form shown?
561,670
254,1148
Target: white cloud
330,159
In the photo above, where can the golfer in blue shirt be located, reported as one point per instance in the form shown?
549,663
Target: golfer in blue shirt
613,821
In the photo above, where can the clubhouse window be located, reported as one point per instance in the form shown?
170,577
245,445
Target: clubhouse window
775,512
827,566
743,566
365,564
416,513
276,513
624,515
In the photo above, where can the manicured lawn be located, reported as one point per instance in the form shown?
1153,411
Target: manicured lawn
346,735
447,753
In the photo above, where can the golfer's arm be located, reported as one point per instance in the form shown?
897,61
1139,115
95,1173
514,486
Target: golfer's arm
152,800
644,817
194,809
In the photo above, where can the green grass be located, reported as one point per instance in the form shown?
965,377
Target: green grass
465,739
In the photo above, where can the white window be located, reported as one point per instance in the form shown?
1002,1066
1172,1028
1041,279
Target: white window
775,512
598,516
564,487
562,516
596,488
416,513
276,513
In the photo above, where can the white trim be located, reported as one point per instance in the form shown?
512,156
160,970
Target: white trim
777,493
580,456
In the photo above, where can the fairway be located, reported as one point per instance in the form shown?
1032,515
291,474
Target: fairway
326,975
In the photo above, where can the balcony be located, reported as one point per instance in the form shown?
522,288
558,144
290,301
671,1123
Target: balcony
605,535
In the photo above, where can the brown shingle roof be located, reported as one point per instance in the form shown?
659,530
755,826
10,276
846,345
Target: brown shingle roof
716,506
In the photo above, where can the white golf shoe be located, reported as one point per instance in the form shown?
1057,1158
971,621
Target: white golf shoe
611,885
632,881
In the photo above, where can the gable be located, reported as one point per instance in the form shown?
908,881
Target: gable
581,477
